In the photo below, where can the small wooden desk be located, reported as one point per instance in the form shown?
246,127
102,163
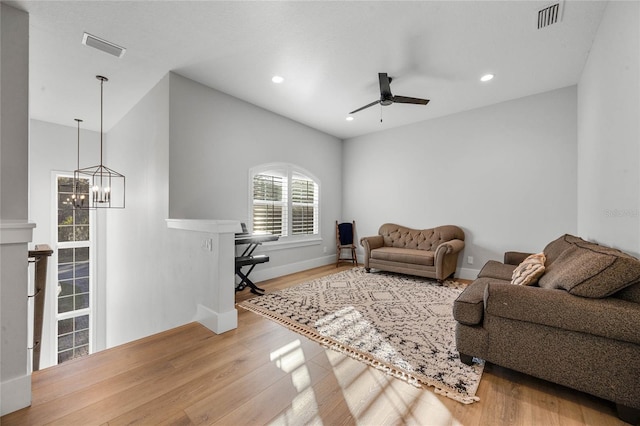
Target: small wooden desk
252,241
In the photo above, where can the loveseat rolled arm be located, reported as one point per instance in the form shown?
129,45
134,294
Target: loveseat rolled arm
446,258
370,243
451,247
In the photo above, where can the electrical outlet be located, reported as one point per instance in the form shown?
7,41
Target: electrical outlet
207,244
470,260
324,249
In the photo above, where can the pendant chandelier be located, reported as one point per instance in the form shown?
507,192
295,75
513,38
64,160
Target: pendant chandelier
106,186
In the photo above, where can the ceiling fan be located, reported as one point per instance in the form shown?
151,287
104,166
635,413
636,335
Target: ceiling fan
386,98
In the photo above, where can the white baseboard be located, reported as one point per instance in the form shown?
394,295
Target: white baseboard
277,271
217,322
263,274
467,273
15,394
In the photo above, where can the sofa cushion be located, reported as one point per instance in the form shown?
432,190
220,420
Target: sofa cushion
528,272
631,293
590,270
608,317
404,255
556,247
495,269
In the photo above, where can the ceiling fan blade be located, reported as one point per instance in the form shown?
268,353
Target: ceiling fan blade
385,87
366,106
408,100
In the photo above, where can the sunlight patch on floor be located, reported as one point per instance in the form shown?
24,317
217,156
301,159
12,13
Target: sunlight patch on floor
372,396
377,398
304,408
288,357
349,325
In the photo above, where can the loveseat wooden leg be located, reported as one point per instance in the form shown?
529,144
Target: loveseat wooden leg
367,269
628,414
466,359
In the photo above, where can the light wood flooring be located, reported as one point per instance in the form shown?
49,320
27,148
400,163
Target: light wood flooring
262,373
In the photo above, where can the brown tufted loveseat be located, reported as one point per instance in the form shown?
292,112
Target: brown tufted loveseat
431,253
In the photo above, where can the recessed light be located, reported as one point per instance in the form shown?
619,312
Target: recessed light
350,118
277,79
486,77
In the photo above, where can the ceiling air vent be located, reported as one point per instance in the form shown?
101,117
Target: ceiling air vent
104,45
550,14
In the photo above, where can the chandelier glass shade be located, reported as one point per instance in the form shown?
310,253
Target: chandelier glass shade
98,186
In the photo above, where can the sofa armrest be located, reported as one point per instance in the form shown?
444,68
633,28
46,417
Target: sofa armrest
468,308
449,247
446,258
607,317
515,257
370,243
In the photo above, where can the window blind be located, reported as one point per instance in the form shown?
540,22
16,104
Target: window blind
304,206
270,203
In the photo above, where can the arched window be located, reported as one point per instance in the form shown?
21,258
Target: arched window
285,201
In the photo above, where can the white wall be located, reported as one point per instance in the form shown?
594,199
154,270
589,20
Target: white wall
505,173
52,150
15,231
216,139
143,288
139,290
609,133
131,258
14,72
185,150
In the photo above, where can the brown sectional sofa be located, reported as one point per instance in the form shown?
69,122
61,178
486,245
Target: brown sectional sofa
578,326
431,253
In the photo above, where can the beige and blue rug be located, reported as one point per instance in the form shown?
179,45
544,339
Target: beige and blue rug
401,325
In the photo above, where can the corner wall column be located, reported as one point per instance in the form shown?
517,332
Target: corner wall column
15,230
204,253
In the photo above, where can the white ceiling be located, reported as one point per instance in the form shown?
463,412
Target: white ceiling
328,52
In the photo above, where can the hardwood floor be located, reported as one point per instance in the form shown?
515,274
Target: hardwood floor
262,373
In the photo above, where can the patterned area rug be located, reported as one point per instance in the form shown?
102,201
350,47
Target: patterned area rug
401,325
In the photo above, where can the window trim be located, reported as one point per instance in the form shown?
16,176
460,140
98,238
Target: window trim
288,241
52,281
294,243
